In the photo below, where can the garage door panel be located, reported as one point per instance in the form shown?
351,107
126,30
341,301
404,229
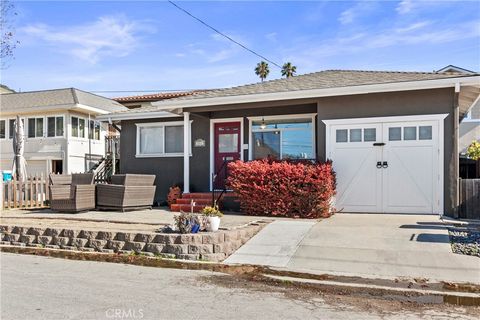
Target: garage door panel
408,183
408,177
357,184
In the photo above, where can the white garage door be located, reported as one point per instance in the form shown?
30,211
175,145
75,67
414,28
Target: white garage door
390,165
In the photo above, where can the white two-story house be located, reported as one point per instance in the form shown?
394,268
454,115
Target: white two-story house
61,131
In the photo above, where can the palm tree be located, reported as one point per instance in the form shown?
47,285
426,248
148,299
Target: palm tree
262,70
288,70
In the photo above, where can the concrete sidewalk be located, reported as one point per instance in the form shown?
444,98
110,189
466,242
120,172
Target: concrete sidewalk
367,245
274,245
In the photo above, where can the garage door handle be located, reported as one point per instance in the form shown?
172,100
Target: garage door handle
379,164
385,164
378,144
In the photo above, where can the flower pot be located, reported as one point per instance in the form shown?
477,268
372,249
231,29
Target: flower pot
213,223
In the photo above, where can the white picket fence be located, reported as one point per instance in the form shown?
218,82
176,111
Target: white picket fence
31,193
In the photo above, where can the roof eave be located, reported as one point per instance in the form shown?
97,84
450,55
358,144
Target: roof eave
136,115
318,93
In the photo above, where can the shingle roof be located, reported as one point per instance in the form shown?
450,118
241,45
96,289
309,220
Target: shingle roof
56,97
317,80
157,96
326,79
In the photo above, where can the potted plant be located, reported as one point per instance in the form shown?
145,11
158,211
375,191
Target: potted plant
212,215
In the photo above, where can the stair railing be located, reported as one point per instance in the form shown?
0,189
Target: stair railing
223,168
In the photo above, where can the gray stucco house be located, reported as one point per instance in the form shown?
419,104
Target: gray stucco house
392,136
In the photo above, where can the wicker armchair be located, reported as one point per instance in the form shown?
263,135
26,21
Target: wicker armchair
72,193
127,192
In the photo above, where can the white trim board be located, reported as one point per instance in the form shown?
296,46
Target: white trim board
212,141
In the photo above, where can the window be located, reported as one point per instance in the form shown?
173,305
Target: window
395,134
35,127
55,126
370,134
74,127
355,135
410,133
160,139
94,130
341,135
78,127
283,138
425,133
81,128
2,129
11,127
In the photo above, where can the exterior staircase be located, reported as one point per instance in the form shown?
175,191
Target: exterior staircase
199,200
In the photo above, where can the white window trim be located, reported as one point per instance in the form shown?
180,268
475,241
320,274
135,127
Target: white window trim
85,131
279,117
160,124
64,126
27,129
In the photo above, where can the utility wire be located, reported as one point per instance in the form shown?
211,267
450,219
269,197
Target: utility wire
224,35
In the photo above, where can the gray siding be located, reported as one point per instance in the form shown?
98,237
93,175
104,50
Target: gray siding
169,171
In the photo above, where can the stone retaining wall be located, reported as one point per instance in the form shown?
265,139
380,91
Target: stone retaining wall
210,246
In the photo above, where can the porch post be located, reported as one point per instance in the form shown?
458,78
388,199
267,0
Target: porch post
186,152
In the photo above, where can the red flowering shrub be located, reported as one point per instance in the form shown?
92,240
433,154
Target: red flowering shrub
283,188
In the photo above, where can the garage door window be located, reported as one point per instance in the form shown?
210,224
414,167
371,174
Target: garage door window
425,133
395,134
355,135
342,135
410,133
370,134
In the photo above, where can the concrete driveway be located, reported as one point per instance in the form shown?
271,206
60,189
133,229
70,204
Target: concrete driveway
366,245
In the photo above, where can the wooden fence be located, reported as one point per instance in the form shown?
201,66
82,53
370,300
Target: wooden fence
31,193
469,199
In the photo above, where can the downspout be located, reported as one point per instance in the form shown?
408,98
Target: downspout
456,160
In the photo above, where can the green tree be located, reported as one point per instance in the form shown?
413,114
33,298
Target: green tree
288,70
262,70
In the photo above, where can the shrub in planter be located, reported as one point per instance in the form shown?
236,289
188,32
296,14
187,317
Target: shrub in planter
283,188
212,215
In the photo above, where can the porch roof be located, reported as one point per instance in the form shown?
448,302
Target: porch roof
312,85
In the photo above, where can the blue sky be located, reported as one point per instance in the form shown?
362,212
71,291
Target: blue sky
107,45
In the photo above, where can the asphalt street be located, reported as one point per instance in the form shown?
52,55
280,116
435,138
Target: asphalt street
34,287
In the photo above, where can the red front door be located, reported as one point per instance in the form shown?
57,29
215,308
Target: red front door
226,148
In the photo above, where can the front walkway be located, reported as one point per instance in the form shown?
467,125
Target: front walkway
366,245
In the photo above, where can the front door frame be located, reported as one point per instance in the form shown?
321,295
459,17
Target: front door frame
440,188
212,142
